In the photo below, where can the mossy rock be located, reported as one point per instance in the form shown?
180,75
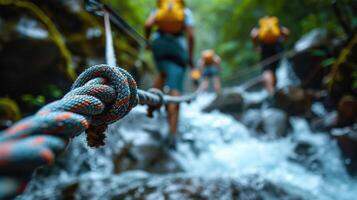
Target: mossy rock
9,110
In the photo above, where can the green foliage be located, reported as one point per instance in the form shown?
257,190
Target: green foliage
318,53
34,101
135,12
53,91
225,25
355,80
9,110
328,62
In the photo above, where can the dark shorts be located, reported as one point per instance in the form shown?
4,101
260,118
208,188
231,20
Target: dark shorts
210,71
170,56
268,51
170,48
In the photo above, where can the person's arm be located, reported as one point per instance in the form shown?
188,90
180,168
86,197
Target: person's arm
218,61
254,36
189,26
200,65
191,42
285,33
148,26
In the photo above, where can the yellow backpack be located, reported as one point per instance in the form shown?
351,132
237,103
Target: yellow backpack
170,15
195,74
269,30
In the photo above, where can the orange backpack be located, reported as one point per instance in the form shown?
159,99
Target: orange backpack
208,57
170,15
269,30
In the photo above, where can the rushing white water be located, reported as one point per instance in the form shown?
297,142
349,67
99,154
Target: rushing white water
212,146
227,149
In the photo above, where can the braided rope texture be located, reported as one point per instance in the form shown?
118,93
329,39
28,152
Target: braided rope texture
100,96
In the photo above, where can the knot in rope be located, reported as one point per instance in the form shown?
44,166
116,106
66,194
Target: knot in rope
117,104
100,96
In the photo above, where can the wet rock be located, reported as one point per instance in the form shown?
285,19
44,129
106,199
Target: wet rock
271,123
275,122
253,104
154,157
293,100
315,38
138,185
347,141
253,120
324,123
347,111
4,124
69,191
346,115
230,102
148,149
9,186
43,52
18,70
306,155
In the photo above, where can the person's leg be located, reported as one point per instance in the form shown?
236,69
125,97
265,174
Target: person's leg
160,81
195,85
269,78
217,84
173,114
269,81
205,83
175,77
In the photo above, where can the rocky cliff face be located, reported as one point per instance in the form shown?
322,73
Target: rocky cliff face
44,44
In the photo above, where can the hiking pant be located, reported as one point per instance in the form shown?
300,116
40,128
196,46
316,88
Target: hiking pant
269,50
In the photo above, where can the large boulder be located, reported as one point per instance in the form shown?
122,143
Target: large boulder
294,100
229,101
347,111
315,38
346,115
46,43
306,62
347,141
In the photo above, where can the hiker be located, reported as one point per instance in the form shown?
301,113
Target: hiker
270,37
210,67
172,46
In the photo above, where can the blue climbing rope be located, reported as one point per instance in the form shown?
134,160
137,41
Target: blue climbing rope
100,96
